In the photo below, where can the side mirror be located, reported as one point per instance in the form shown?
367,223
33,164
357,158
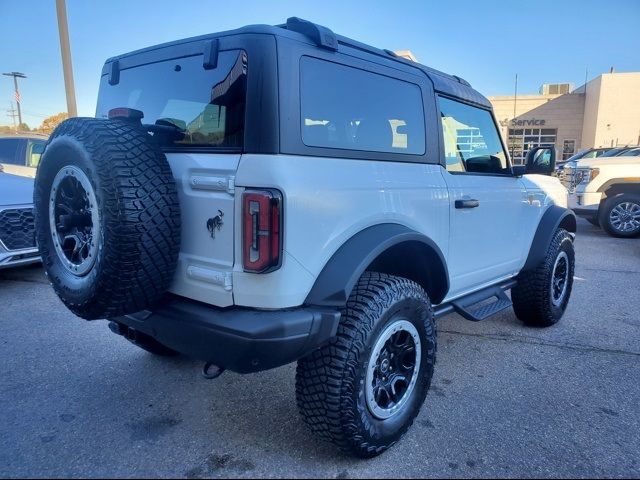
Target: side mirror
541,160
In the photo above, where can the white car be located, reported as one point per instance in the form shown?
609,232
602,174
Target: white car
17,232
281,193
606,191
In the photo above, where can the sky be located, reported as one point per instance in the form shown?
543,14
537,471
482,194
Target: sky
487,42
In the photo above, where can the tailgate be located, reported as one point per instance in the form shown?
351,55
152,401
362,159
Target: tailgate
206,190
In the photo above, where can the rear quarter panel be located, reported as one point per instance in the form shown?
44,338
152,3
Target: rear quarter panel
327,201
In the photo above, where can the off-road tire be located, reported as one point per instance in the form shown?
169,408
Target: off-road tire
139,217
330,382
532,296
611,203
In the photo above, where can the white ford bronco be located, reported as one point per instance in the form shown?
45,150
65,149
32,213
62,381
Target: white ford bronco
281,193
606,191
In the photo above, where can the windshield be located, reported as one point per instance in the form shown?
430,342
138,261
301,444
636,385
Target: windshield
616,152
634,152
201,108
578,156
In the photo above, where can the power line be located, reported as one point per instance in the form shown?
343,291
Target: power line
33,114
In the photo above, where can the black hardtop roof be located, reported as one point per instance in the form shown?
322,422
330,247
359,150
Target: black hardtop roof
443,83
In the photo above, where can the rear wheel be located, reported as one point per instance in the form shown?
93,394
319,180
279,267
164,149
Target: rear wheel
364,389
541,296
620,215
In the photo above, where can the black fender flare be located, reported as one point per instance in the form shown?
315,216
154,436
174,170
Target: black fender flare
340,274
554,218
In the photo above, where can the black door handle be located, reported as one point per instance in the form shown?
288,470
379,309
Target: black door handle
467,203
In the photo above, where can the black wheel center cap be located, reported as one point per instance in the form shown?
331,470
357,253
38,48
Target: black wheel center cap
384,366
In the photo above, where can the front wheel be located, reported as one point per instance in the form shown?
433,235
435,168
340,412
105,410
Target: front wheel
541,296
363,390
620,215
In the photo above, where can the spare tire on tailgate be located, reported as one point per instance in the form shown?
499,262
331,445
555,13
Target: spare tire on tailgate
107,217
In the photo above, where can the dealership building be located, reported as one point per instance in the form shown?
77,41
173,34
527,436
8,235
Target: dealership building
604,114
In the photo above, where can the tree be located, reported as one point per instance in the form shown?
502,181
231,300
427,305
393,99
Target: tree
23,127
6,129
49,124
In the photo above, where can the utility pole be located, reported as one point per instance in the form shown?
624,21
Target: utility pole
515,101
16,76
63,30
11,112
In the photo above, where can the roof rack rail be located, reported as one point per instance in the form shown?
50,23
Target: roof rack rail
321,36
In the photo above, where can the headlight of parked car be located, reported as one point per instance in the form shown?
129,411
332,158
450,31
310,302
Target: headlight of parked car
586,175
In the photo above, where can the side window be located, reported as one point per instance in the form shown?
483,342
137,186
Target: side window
348,108
9,148
34,151
471,141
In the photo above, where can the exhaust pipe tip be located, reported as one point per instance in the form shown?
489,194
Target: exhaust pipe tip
116,328
211,371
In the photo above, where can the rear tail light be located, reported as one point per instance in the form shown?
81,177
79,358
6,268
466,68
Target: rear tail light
261,230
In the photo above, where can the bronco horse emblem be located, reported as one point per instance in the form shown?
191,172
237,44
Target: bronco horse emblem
215,223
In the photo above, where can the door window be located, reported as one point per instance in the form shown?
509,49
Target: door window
471,140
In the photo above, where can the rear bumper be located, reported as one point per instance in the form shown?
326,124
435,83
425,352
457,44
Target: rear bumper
238,339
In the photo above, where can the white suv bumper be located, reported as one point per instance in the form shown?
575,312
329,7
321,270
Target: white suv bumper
585,203
17,242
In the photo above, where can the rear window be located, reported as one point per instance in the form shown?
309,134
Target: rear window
202,108
348,108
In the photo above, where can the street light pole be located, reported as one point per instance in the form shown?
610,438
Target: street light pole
63,29
16,76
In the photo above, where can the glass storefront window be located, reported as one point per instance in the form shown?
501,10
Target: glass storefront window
523,140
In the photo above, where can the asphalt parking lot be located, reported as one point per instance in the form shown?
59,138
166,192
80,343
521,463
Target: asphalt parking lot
507,401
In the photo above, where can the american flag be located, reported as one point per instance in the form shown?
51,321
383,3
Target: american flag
18,97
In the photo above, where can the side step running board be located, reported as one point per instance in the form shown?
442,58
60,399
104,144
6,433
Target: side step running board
477,306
